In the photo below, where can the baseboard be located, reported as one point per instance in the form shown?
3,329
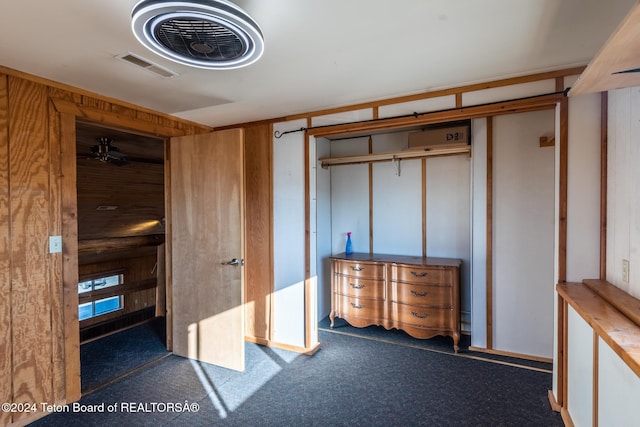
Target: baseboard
511,354
309,351
554,403
566,418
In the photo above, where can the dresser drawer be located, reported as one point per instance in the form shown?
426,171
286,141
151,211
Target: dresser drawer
360,307
360,288
423,317
428,275
360,269
422,295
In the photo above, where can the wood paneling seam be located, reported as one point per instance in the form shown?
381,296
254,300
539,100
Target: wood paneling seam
4,98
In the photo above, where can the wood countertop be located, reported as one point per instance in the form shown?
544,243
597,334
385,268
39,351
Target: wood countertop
619,331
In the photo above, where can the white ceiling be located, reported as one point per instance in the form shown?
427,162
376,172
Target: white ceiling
318,53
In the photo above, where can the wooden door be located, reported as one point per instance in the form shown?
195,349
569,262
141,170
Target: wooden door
206,226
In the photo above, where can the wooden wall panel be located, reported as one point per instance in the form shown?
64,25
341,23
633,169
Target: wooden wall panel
136,268
140,300
136,189
29,199
69,282
258,262
5,258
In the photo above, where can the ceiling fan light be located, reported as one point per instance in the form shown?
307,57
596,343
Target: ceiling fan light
210,34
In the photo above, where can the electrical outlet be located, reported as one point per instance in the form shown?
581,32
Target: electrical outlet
625,270
55,244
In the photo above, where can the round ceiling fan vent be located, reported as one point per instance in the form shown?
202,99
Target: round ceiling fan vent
213,34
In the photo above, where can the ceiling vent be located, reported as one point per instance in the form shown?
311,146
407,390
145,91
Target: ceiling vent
212,34
139,61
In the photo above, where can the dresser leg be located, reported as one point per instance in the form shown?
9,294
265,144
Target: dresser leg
456,340
332,317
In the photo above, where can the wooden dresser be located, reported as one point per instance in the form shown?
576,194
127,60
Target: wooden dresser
419,295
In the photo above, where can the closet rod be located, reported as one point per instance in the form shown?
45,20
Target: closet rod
277,134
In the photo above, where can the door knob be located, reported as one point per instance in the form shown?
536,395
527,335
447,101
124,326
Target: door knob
234,262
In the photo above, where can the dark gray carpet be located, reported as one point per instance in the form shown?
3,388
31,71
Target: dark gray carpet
438,343
109,357
350,381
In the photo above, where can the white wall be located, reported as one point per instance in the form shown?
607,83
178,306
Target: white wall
497,94
288,235
397,200
350,198
420,106
449,219
623,190
523,234
618,390
579,369
583,191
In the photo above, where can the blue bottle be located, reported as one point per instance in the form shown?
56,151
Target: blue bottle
348,250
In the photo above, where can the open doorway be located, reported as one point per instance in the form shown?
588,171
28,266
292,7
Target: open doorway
121,229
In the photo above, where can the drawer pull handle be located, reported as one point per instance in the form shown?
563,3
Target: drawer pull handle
420,316
416,274
356,286
354,305
418,294
358,268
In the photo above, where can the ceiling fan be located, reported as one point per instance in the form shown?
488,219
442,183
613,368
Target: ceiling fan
107,153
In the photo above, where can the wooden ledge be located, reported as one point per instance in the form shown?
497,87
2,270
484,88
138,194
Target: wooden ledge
628,305
616,329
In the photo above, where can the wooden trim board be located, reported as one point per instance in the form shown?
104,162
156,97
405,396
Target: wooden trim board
489,236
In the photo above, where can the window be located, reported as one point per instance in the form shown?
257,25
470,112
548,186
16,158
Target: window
94,306
100,283
100,307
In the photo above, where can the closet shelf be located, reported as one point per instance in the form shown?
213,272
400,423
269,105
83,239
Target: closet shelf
395,155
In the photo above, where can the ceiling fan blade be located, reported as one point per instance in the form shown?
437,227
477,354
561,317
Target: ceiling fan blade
115,154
